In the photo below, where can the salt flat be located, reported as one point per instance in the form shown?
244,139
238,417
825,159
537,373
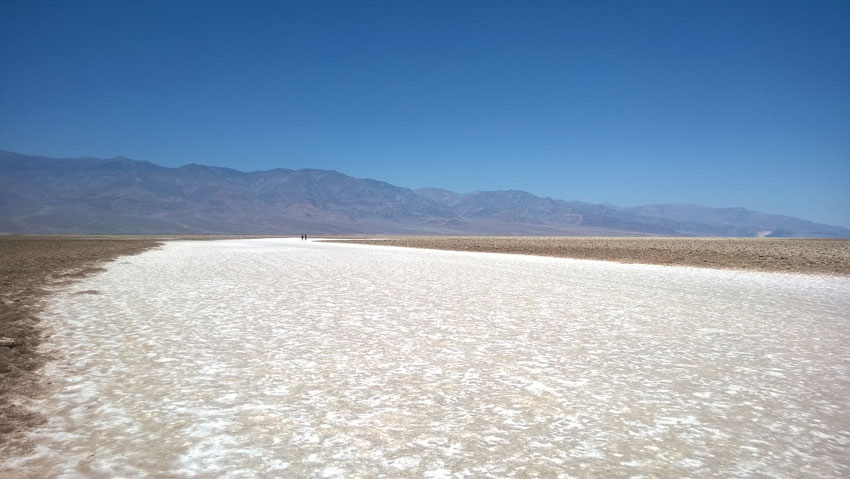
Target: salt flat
282,358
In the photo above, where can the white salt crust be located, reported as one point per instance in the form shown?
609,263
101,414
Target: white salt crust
283,358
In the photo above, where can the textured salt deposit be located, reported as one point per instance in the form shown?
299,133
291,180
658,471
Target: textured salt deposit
282,358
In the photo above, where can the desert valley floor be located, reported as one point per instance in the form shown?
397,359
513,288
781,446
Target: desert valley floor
284,358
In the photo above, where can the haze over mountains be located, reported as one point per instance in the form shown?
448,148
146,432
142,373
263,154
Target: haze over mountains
41,195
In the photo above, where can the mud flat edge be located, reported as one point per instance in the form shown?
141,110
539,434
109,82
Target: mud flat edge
807,256
29,266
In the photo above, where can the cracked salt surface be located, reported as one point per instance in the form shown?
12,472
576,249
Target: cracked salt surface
273,358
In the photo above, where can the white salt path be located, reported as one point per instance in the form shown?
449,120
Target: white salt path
282,358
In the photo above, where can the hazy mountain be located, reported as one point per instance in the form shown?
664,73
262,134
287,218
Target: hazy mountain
88,195
519,207
85,195
739,221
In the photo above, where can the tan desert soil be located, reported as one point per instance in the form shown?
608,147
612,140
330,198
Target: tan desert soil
818,256
29,266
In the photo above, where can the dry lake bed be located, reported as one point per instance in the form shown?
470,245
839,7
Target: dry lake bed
284,358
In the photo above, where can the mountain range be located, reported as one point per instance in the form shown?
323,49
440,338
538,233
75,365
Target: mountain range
40,195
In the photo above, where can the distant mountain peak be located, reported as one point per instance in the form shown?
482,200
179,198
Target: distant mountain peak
121,195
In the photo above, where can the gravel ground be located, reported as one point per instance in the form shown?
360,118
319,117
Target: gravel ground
819,256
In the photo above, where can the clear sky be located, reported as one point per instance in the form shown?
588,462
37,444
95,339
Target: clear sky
719,103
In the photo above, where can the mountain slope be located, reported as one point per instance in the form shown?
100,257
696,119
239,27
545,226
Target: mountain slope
123,196
44,195
739,219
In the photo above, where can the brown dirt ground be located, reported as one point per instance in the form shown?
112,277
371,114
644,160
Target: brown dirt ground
815,256
28,267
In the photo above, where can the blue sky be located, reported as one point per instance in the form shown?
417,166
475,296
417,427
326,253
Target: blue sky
710,102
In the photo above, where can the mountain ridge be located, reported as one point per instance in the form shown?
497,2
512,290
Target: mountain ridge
42,195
